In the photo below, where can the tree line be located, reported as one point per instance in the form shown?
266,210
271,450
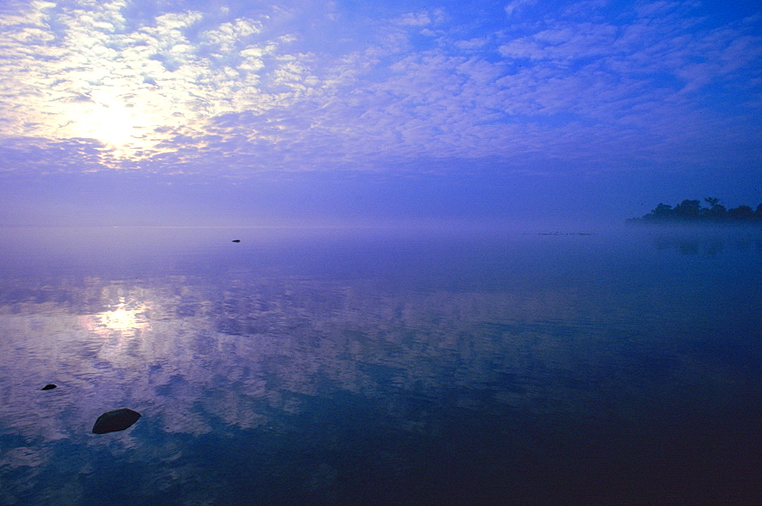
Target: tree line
692,211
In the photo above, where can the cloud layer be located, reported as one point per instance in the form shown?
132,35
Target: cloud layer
316,86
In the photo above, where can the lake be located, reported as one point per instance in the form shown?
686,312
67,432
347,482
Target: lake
398,366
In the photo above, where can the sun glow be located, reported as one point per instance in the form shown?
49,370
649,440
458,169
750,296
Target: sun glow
128,93
127,130
122,129
114,126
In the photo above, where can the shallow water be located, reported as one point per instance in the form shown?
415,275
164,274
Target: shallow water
350,367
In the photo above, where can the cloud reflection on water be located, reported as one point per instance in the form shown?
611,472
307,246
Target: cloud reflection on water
248,347
185,351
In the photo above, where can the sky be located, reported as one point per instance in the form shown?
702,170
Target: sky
249,113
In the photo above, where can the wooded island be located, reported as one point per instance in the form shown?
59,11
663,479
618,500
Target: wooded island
691,211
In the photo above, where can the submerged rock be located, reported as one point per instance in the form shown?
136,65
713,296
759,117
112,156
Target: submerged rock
113,421
49,386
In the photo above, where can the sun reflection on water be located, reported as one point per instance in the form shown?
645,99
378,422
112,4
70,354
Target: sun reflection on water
125,319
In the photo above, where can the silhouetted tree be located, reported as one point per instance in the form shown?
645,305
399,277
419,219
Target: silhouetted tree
663,211
716,210
689,211
741,213
711,201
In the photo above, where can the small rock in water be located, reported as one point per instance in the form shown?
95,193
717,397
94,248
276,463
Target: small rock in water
49,386
236,240
113,421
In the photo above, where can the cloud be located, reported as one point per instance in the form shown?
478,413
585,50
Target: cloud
245,91
227,36
120,86
413,19
571,42
471,43
517,5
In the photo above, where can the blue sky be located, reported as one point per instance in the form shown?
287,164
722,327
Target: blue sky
313,111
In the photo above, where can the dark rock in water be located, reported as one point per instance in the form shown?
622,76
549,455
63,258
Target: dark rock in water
113,421
236,240
49,386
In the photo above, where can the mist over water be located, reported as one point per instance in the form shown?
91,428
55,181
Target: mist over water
381,366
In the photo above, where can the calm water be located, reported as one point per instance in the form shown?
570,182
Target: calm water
319,367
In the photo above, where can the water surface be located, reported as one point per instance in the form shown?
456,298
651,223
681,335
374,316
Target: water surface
329,366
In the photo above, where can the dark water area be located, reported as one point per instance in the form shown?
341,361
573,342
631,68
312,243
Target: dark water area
388,367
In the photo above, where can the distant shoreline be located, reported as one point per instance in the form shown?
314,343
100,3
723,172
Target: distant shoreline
690,212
